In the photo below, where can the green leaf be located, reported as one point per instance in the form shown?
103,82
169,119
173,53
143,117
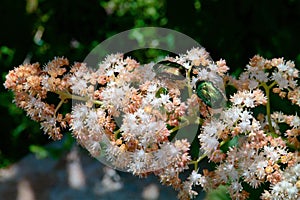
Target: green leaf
195,146
6,55
53,151
19,129
231,143
39,151
220,193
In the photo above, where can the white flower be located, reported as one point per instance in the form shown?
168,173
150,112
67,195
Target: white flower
280,79
93,123
231,115
45,82
140,155
255,126
164,98
296,170
161,156
48,124
261,164
253,84
237,99
292,192
117,96
261,76
196,53
208,143
203,74
78,123
109,72
173,151
116,157
296,121
236,186
152,88
249,101
245,126
78,85
282,189
245,116
119,67
186,65
141,162
210,129
195,178
271,153
282,67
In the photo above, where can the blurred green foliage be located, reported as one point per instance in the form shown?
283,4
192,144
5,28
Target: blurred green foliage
221,193
38,30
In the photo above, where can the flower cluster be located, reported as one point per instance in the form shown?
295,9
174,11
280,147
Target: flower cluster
32,85
257,155
288,187
292,121
131,116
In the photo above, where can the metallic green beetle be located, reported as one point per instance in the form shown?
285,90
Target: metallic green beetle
205,90
209,94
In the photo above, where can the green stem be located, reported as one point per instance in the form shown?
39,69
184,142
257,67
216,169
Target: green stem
272,84
67,95
188,79
187,121
195,162
59,105
268,106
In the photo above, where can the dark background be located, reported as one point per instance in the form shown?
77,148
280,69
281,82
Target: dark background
233,30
